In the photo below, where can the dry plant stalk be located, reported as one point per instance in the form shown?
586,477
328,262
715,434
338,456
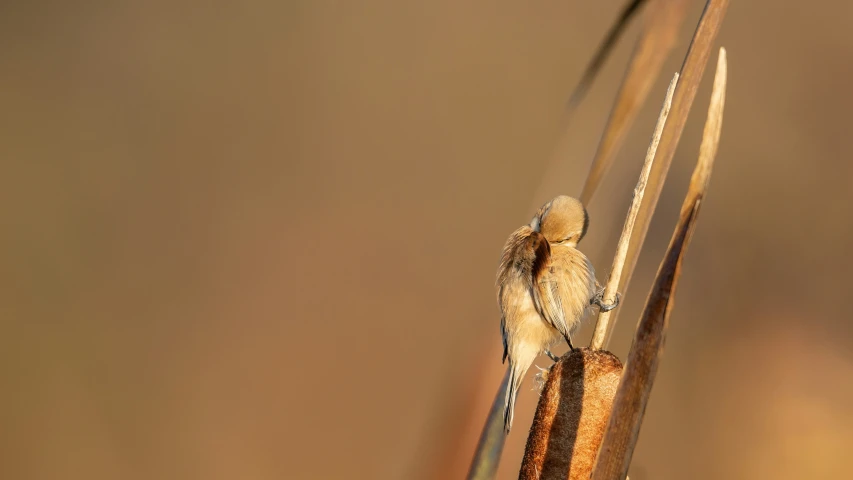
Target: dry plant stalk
622,247
662,22
691,74
571,416
623,427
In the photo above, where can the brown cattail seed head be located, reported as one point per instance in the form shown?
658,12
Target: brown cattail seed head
571,416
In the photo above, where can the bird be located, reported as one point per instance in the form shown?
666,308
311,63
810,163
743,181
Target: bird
545,286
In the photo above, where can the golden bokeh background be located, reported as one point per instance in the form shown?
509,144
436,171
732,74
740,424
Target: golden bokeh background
258,239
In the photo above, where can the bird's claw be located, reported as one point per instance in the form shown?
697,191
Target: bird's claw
606,307
551,356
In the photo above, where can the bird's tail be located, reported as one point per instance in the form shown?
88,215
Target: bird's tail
516,375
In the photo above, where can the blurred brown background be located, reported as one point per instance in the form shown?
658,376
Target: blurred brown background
258,239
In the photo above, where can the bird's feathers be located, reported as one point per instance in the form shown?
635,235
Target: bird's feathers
562,290
524,256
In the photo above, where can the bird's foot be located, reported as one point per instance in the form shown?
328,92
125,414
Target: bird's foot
606,307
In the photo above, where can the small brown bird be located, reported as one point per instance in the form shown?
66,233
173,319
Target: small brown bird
545,287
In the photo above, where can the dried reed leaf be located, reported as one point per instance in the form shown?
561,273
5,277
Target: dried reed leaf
662,22
632,396
571,416
610,288
690,77
711,133
604,49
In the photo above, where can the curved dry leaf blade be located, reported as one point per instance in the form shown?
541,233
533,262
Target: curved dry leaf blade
604,50
663,20
623,428
713,129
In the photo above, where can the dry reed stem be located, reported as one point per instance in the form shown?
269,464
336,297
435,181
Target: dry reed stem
629,405
622,247
604,50
690,77
662,22
571,416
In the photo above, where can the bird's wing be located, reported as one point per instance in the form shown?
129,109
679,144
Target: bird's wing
563,288
524,252
506,271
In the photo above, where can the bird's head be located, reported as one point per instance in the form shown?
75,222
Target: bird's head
562,221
